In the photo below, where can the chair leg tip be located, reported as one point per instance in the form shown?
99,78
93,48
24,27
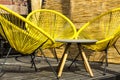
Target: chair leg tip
58,78
104,73
68,67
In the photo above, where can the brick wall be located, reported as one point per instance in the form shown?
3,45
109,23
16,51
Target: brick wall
80,12
19,6
84,10
7,2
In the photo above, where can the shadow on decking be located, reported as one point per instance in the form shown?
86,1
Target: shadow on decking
14,70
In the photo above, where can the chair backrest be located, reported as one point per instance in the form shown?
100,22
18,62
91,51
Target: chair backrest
54,23
12,28
105,28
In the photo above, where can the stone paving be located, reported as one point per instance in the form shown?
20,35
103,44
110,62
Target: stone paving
16,70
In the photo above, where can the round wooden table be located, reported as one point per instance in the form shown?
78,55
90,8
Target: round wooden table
68,42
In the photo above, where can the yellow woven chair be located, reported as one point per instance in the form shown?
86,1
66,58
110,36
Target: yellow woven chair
13,29
105,28
54,23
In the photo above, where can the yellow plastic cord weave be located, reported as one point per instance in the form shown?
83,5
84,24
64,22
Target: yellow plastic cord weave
105,28
12,28
54,23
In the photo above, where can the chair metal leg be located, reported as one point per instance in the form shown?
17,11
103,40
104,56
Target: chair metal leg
106,61
49,63
116,49
33,61
5,59
1,48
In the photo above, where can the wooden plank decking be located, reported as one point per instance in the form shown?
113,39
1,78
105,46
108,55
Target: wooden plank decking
15,70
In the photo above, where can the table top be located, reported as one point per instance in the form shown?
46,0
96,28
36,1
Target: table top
76,40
